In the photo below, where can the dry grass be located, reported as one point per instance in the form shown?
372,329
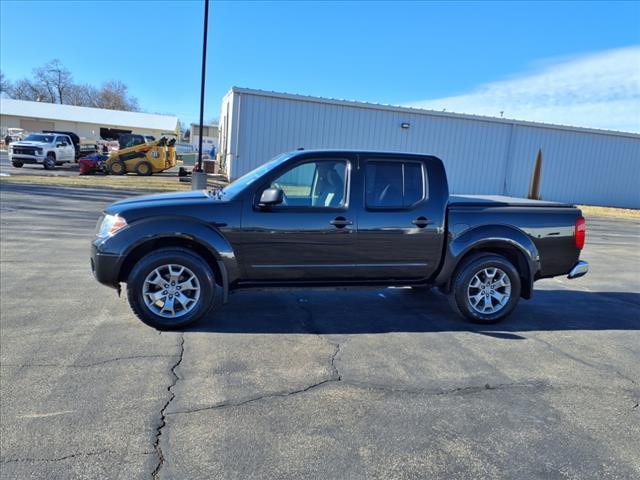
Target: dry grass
609,212
158,183
127,182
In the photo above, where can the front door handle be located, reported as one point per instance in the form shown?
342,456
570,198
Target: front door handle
340,222
421,222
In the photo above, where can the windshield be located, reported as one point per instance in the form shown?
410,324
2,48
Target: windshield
247,179
34,137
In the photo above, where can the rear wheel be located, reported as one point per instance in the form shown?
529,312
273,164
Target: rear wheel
117,168
485,289
49,162
144,168
17,164
171,288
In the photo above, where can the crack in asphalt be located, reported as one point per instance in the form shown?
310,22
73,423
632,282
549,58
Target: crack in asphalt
67,457
246,401
536,386
163,417
471,389
335,376
85,365
603,367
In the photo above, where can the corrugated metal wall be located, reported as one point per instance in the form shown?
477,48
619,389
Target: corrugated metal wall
481,156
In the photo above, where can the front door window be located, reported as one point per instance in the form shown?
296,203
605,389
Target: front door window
316,184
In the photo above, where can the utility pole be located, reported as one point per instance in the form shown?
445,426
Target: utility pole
198,176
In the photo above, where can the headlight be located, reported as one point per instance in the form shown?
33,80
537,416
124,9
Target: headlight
38,151
110,225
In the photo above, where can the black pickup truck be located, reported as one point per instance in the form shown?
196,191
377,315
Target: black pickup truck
333,218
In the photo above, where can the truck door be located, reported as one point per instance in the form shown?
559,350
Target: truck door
62,149
311,235
401,220
70,149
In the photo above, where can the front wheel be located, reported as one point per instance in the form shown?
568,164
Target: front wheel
117,167
171,288
17,164
485,289
49,162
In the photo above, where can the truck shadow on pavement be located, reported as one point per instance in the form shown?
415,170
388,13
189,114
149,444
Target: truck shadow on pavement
326,312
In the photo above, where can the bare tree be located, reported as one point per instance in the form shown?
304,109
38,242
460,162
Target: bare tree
25,89
55,78
53,83
114,95
82,95
5,84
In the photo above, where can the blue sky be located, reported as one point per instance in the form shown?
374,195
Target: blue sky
475,57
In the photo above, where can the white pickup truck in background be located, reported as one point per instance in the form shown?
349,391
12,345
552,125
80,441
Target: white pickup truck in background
47,149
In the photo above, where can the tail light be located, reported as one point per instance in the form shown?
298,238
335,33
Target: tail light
581,232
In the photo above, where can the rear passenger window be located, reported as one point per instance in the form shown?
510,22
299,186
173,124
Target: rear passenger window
393,184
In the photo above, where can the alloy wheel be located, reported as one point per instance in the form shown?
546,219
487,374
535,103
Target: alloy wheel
171,291
489,290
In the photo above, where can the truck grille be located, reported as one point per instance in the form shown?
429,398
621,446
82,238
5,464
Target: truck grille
24,150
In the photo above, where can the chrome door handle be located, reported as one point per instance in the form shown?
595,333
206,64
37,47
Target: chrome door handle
340,222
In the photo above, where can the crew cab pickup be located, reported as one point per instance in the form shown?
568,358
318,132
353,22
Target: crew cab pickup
333,218
48,149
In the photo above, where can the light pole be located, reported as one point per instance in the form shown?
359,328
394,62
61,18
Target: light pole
198,176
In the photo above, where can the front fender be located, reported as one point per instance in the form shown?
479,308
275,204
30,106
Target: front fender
485,237
169,228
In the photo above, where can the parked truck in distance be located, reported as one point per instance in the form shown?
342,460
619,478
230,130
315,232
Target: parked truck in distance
46,149
82,146
334,218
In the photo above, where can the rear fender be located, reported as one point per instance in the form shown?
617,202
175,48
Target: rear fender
490,238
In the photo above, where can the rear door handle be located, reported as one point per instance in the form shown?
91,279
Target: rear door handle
340,222
421,222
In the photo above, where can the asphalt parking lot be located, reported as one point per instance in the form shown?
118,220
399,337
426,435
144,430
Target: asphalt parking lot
328,384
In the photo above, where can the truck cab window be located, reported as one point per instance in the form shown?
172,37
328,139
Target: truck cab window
314,184
393,184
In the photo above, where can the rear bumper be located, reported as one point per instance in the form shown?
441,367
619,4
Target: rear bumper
578,270
105,267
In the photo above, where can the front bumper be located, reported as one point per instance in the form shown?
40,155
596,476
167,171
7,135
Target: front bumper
105,267
26,159
578,270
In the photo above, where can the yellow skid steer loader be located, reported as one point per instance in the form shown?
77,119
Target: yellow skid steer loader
142,159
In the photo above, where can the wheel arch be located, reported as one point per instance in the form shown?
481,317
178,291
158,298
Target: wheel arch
507,241
201,239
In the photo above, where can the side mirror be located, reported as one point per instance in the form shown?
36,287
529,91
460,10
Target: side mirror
270,197
59,145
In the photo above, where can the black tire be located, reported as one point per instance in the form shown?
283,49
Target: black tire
460,288
117,168
143,169
50,161
17,164
173,256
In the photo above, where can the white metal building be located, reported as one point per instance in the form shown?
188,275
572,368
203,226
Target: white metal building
209,139
91,123
483,155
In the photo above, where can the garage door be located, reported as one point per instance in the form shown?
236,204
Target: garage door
36,125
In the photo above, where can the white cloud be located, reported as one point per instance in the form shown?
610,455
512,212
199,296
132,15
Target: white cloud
600,90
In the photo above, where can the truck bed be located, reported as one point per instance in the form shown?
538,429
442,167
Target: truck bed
500,201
